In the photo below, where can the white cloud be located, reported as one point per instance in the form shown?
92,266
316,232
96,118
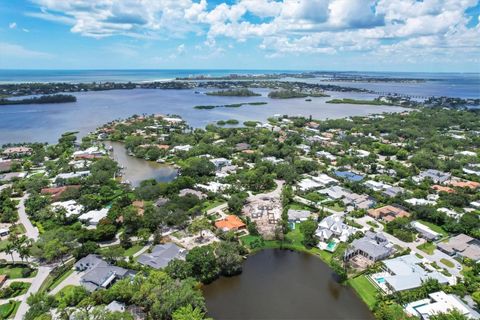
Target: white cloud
283,26
11,50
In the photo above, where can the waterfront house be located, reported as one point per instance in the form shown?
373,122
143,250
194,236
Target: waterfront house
15,152
372,247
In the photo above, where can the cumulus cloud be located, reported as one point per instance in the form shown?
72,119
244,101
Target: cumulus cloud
383,27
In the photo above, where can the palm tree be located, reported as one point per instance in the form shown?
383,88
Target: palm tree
10,249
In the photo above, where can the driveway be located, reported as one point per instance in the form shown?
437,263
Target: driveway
71,280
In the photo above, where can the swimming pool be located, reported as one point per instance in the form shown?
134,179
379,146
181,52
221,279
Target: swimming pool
380,280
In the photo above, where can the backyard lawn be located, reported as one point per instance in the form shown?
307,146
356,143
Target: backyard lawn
15,271
335,207
434,227
133,249
427,247
293,241
365,290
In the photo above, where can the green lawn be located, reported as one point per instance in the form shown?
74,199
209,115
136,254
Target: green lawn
335,207
14,271
132,250
3,244
434,227
448,263
212,204
293,241
365,289
298,206
8,309
427,247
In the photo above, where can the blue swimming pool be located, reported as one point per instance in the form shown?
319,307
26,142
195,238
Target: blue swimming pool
380,280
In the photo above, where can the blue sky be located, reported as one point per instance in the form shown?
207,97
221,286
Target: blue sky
377,35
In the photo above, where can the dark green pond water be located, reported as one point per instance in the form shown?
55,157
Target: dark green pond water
281,284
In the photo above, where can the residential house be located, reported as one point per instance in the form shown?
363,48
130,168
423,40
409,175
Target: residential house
200,195
437,303
373,247
231,222
220,163
425,231
295,216
407,272
350,176
462,246
333,226
98,273
56,193
434,175
161,255
14,152
93,217
71,207
5,165
388,213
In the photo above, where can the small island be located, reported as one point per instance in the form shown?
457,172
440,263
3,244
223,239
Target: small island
234,93
375,102
290,94
233,105
56,98
229,122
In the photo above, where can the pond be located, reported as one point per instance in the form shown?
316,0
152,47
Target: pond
136,170
282,284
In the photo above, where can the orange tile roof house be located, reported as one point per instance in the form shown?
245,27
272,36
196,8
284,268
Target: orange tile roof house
440,188
57,192
388,213
231,222
464,184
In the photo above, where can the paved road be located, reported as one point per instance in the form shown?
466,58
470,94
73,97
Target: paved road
42,274
32,232
435,257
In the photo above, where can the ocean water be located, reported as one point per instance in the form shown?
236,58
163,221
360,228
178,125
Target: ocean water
462,85
76,76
